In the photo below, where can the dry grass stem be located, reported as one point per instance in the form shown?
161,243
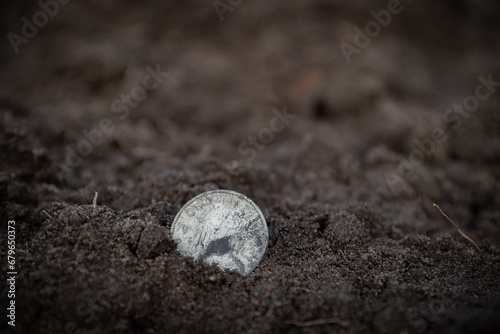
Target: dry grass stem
458,228
47,214
94,202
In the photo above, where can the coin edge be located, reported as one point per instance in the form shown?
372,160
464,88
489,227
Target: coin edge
237,194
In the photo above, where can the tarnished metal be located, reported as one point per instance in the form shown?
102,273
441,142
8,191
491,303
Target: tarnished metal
222,227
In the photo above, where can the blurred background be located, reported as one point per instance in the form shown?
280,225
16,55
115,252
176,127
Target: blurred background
232,68
354,121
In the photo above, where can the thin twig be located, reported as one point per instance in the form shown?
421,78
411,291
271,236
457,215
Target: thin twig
458,228
94,202
46,213
317,322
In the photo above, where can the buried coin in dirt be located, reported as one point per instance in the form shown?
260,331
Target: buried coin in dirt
222,227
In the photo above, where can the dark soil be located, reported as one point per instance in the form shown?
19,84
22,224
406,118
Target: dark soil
348,250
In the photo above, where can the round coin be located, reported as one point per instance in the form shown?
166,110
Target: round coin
222,227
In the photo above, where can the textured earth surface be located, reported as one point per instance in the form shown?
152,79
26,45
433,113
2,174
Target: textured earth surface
152,103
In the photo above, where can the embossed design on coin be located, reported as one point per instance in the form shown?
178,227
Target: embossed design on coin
223,227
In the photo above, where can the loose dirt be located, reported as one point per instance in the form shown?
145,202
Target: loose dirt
348,250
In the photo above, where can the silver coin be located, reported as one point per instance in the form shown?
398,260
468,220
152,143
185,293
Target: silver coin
222,227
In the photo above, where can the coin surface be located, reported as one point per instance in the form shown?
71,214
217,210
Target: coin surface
222,227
